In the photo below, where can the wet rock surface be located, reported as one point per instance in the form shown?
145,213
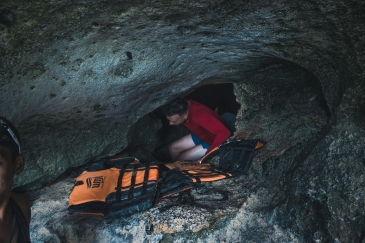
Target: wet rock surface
81,79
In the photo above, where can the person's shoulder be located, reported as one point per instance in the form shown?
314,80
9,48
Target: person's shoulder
23,203
196,106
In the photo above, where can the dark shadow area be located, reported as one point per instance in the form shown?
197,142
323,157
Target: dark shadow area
218,97
153,133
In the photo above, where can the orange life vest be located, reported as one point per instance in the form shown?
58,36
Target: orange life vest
235,158
115,191
198,172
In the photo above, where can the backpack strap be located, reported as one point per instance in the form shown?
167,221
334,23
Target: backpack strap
212,169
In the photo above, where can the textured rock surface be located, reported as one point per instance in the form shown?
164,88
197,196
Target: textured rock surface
53,223
80,77
97,60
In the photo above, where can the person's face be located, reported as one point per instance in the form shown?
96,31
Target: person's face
10,165
176,120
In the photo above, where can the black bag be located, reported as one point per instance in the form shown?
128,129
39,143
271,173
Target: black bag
235,156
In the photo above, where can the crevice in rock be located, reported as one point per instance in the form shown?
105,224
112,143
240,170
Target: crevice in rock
218,97
153,130
285,105
319,215
303,155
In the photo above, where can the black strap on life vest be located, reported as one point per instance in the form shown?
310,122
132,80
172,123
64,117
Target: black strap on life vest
133,181
145,179
118,188
212,169
196,177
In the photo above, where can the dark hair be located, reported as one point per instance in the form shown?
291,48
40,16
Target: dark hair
177,106
7,131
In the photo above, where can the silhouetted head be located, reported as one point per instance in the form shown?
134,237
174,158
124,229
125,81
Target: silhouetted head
177,111
9,135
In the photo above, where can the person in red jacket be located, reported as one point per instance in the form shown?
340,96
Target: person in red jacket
206,126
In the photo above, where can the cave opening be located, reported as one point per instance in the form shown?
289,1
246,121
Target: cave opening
153,130
218,97
272,90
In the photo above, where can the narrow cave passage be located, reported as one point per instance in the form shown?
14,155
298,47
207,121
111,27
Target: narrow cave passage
218,97
273,91
153,131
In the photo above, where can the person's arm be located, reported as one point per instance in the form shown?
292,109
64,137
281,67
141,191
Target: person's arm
215,126
23,203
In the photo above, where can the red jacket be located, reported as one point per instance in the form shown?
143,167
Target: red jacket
206,124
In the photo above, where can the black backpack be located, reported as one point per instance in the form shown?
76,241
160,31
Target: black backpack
235,156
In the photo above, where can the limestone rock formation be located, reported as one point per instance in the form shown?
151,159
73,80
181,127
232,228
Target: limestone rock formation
83,80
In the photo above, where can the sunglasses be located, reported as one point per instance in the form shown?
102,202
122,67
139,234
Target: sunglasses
11,133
